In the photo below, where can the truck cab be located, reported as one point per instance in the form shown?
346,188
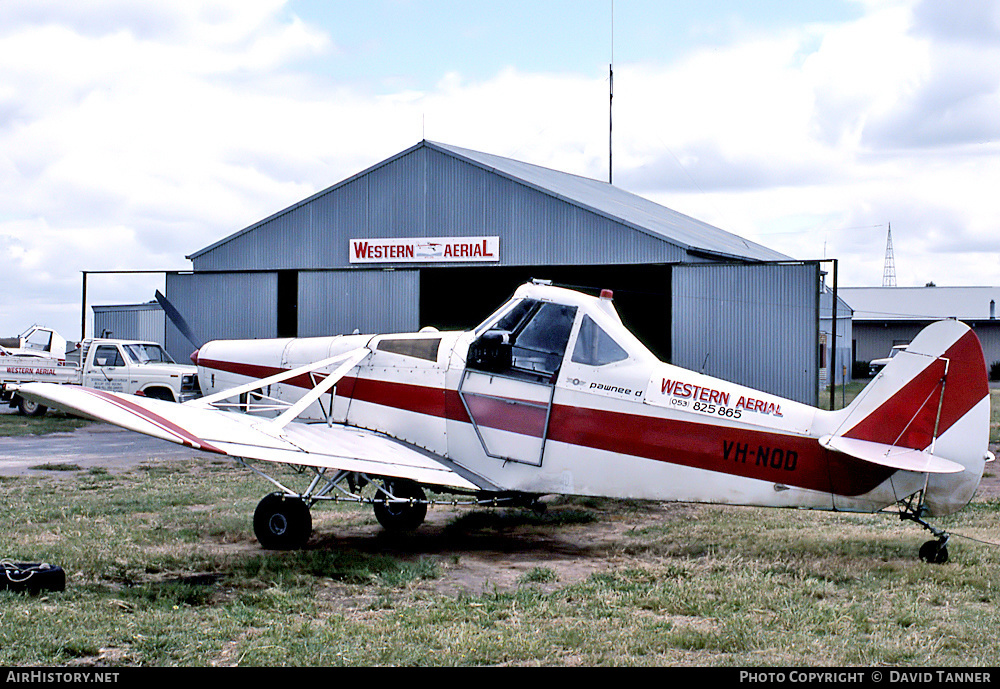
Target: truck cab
36,341
139,368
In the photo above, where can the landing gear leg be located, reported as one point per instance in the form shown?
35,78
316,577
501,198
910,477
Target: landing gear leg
936,551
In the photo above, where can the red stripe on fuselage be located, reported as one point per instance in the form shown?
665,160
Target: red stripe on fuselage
787,459
256,371
516,416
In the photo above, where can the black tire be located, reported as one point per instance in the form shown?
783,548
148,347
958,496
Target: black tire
160,394
30,408
401,516
281,522
934,552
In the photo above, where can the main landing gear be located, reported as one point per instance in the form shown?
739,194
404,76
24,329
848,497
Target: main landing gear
282,520
400,505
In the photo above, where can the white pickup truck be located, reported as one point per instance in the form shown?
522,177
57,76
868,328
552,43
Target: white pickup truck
129,366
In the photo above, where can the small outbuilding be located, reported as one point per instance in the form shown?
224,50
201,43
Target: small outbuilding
888,316
130,322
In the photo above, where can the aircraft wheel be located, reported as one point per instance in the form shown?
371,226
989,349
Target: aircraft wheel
402,516
934,552
30,408
281,522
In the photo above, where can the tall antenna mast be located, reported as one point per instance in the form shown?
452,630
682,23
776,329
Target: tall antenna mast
889,272
611,87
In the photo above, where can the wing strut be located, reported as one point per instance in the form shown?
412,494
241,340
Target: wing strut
346,363
351,359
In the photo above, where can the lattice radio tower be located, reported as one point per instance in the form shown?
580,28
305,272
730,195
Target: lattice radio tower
889,272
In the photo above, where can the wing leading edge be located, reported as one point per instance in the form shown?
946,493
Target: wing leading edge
239,435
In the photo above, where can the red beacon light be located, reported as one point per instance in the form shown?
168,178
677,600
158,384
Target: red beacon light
607,294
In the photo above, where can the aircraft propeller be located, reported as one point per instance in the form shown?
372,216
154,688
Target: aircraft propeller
178,320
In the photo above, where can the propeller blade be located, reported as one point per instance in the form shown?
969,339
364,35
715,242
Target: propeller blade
178,320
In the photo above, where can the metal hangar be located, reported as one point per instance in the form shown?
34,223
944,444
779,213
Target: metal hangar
439,236
889,316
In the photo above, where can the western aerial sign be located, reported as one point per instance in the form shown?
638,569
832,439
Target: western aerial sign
425,250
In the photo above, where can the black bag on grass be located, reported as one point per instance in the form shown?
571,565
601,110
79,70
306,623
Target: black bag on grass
31,577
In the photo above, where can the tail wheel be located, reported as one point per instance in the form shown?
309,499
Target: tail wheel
401,516
934,552
282,522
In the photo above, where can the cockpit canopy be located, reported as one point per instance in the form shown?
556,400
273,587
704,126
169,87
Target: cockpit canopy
532,333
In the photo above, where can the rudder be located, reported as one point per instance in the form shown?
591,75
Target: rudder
934,398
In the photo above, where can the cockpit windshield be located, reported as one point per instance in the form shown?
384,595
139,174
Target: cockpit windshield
532,336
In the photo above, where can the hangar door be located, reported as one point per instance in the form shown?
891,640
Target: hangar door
752,324
221,306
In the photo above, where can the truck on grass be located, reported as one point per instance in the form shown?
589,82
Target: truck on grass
130,366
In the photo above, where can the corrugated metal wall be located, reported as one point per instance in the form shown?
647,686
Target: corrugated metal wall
750,324
130,322
221,306
845,335
371,301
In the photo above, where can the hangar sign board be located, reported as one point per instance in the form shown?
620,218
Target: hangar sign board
425,250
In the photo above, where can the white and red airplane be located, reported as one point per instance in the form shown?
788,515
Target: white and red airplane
553,395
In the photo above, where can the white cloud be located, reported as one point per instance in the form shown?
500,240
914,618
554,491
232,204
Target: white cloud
132,135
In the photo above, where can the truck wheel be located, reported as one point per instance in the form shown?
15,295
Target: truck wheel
30,408
159,394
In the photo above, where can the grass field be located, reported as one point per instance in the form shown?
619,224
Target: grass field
163,570
52,422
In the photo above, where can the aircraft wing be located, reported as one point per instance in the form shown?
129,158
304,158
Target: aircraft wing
333,446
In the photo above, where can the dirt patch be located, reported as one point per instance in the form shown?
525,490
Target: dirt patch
488,559
989,486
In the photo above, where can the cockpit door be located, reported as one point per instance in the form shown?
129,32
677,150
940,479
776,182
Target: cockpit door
509,381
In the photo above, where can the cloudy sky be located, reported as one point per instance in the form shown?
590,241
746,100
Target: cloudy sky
133,133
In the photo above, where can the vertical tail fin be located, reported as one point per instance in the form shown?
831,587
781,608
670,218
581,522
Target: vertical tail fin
932,398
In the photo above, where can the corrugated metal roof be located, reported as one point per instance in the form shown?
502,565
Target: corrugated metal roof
633,210
921,303
696,237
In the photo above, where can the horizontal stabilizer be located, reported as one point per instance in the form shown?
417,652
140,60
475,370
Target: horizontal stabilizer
892,456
